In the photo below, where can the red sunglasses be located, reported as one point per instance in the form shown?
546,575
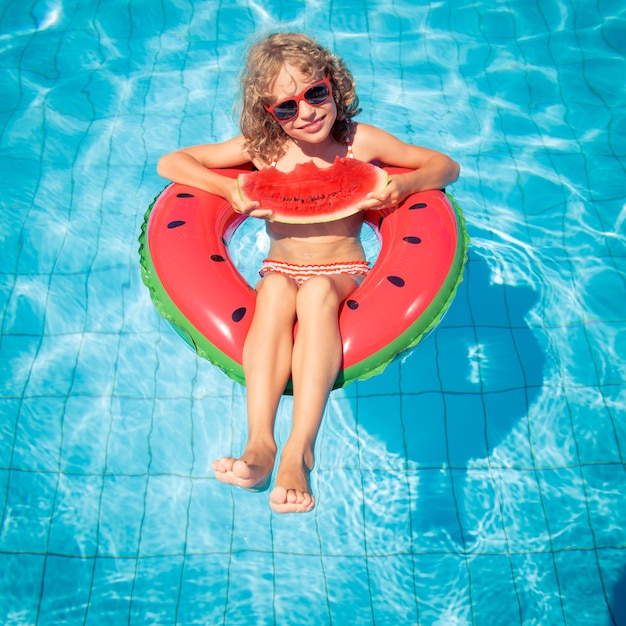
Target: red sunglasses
315,95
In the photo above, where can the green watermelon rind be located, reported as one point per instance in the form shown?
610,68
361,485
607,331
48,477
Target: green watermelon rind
174,316
376,363
382,180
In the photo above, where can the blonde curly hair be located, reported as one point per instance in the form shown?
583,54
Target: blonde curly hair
264,137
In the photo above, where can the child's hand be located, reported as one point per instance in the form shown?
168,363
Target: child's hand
389,197
250,207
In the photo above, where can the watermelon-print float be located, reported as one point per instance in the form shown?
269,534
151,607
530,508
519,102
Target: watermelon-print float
195,286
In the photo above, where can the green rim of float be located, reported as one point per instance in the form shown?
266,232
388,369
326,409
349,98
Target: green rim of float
183,218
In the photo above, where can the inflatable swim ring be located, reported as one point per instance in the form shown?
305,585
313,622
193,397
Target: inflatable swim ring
194,285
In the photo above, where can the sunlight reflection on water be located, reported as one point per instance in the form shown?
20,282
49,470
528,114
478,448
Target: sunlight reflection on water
482,475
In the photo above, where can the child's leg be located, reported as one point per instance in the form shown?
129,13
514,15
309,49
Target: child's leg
315,363
267,366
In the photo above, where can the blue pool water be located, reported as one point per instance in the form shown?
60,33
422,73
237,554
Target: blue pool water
481,480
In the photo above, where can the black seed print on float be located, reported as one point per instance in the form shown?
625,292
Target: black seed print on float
218,258
352,304
418,205
238,314
396,280
177,223
412,239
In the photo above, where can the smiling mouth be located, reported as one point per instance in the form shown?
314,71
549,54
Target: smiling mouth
313,123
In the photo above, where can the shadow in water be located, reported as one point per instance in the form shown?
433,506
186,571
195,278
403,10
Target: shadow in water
481,367
618,602
459,394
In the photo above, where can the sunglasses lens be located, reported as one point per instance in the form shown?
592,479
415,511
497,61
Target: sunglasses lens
286,110
317,94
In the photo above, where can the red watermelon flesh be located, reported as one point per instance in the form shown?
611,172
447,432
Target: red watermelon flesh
310,194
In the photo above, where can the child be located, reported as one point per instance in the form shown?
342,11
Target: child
298,105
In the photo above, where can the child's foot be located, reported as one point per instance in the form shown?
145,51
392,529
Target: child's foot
292,491
251,471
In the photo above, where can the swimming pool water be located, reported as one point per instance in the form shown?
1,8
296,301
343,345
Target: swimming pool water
478,480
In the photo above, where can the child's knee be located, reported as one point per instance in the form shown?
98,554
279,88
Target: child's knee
274,286
317,292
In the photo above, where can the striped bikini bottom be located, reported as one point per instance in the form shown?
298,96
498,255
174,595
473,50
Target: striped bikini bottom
300,273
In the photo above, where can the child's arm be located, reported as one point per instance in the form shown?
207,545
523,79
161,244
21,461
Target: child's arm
431,169
191,166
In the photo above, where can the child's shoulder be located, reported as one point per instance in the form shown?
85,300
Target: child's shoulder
370,133
366,131
370,142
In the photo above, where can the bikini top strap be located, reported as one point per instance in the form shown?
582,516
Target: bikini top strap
349,144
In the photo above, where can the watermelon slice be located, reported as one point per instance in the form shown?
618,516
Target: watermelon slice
310,194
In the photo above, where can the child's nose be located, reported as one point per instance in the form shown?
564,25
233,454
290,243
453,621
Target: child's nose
306,110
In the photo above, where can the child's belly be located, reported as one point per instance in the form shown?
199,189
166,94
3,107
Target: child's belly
316,243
